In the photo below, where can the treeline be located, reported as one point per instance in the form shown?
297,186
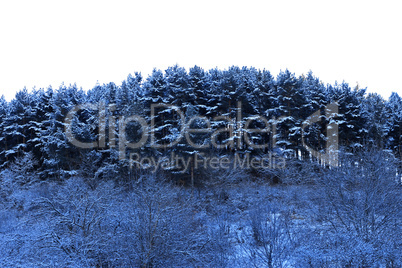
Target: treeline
33,124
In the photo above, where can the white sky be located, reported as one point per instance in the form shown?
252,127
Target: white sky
44,43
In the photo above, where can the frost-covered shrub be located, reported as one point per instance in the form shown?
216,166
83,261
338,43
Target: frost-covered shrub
361,207
76,219
159,227
274,239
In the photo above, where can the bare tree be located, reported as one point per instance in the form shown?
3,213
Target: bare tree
76,220
274,239
363,206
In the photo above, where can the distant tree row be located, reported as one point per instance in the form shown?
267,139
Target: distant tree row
33,123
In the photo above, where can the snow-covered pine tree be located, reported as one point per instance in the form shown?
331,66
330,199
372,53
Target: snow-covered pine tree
4,113
394,124
17,126
351,121
60,158
316,100
375,114
290,101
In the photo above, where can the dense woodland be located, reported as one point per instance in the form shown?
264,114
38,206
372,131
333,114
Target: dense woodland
62,205
33,122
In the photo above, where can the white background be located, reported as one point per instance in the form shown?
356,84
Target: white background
49,42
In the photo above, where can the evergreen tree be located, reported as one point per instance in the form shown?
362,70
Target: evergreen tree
199,89
59,156
128,94
394,123
316,101
265,99
17,130
4,113
351,120
290,101
374,112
